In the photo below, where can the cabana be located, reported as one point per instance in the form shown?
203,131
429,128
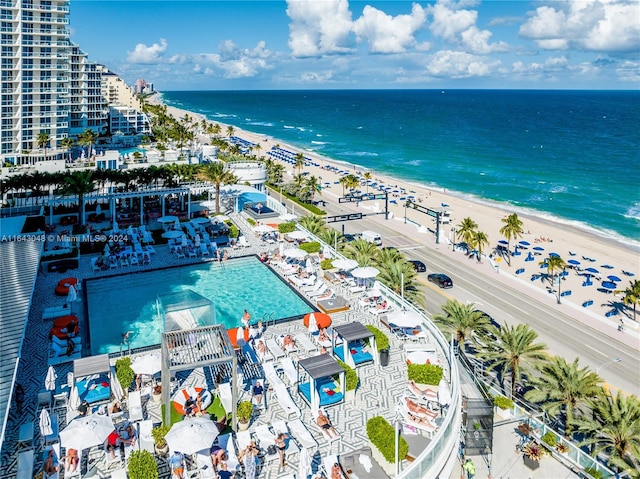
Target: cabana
321,389
93,378
354,337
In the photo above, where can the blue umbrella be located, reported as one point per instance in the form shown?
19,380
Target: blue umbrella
524,243
614,279
592,270
554,255
444,205
606,266
609,285
538,248
574,262
503,242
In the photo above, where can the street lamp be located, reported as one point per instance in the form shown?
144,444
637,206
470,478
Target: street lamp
605,364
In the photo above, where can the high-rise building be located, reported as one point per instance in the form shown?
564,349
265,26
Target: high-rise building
48,84
116,92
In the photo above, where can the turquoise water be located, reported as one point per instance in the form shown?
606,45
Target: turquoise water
571,156
131,151
128,302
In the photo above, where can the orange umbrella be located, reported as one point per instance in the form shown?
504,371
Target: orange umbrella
322,320
233,336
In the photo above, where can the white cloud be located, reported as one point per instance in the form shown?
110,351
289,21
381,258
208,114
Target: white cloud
593,25
318,27
236,62
458,26
455,64
147,55
387,34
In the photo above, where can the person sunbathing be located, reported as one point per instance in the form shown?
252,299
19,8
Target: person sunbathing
327,295
336,471
416,408
323,336
323,421
218,456
382,305
261,348
423,421
71,461
427,393
288,342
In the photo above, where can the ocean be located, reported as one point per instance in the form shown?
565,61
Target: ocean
570,156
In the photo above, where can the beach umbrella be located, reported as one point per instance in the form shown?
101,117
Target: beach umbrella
574,262
176,224
148,364
592,270
74,399
304,464
45,423
344,264
298,235
606,266
503,242
404,319
172,234
50,379
192,435
614,279
167,219
309,266
200,220
281,249
86,432
295,253
316,320
365,272
609,285
116,387
538,248
72,296
263,229
554,255
288,217
524,243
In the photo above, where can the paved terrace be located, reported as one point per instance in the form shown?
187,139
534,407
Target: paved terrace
349,418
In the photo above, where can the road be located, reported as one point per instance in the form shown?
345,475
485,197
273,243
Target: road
508,303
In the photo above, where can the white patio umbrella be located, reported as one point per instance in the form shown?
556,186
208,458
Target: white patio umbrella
167,219
50,379
85,432
309,266
148,364
295,253
116,387
298,235
176,224
304,466
404,319
287,217
192,435
365,272
116,228
72,297
74,399
263,229
107,250
344,264
281,249
172,234
45,423
313,324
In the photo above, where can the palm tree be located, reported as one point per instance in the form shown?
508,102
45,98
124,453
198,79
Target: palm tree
230,131
218,174
614,429
87,138
257,148
332,237
352,181
367,176
314,224
397,274
563,386
466,230
276,174
43,140
362,251
554,263
632,295
67,143
310,187
463,321
512,228
299,162
79,183
514,352
478,240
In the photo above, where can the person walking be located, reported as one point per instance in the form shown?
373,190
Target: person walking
470,468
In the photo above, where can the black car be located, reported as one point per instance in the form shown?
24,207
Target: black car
441,280
418,266
349,238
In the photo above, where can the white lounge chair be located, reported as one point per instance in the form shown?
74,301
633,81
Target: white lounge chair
328,462
325,433
146,440
302,434
290,370
243,439
285,400
225,395
226,442
203,249
425,424
266,438
318,292
313,287
135,406
274,348
303,342
205,465
281,427
94,266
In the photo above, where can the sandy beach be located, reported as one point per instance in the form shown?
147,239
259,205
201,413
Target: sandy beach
571,243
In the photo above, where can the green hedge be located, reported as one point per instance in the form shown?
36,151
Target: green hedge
326,264
234,232
311,247
382,340
124,373
288,227
314,209
502,402
251,221
425,373
383,435
593,472
142,465
351,376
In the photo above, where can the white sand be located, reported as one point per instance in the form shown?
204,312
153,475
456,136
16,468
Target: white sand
563,238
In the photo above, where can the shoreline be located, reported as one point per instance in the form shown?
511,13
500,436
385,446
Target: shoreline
567,240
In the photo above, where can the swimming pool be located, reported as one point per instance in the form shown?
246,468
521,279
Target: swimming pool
131,151
127,302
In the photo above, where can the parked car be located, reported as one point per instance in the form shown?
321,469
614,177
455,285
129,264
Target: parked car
418,266
441,280
349,237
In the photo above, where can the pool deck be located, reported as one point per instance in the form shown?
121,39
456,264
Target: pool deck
349,417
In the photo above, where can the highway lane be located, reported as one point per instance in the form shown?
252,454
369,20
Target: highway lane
563,334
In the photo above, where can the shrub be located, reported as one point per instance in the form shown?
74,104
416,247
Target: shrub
288,227
562,448
158,433
251,221
550,439
245,409
425,373
124,373
234,232
311,247
142,465
326,264
383,436
593,472
502,402
533,451
382,340
351,377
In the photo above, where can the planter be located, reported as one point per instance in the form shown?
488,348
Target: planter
530,463
384,357
243,426
162,451
377,456
503,413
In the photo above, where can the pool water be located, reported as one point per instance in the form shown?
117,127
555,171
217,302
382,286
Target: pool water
131,151
128,302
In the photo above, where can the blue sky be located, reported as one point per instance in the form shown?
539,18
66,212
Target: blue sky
309,44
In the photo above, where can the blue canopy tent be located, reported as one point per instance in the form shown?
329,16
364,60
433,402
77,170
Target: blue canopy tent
322,389
352,350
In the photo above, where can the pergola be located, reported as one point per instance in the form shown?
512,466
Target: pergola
195,348
317,368
350,333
